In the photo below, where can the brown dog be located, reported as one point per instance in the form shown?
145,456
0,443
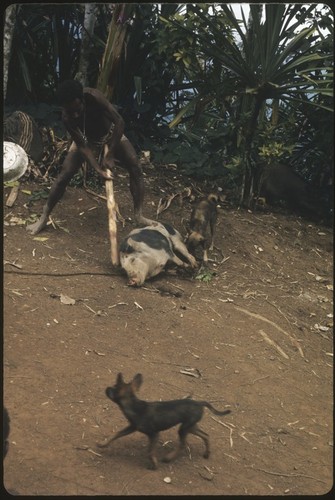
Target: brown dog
204,214
153,417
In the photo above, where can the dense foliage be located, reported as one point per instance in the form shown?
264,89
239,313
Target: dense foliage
219,93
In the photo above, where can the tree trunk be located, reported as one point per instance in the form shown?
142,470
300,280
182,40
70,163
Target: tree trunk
86,43
7,42
251,173
113,49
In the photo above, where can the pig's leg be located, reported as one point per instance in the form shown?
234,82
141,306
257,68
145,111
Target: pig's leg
177,243
181,248
176,260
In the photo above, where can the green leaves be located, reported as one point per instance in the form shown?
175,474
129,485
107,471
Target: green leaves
274,52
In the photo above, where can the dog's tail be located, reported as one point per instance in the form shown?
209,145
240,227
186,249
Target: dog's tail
213,410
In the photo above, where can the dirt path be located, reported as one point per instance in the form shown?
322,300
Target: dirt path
256,338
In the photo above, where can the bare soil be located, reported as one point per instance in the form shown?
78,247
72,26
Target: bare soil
256,338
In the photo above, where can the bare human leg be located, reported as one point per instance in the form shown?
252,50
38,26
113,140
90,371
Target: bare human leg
126,154
71,165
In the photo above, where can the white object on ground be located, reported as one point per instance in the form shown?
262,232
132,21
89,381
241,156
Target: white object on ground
15,161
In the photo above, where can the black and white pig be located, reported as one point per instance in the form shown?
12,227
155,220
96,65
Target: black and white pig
147,250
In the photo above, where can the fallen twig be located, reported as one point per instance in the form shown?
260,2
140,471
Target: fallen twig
89,191
215,311
258,316
280,312
228,427
118,304
285,475
90,308
87,448
243,436
12,264
176,286
273,343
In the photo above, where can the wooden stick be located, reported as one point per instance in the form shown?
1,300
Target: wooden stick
258,316
273,343
111,206
12,196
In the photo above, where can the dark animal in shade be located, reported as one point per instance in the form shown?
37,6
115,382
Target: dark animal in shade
281,183
152,417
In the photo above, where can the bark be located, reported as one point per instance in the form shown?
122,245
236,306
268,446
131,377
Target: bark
7,42
86,43
114,49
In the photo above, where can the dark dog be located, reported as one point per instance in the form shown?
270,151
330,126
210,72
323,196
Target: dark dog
147,250
153,417
281,184
204,214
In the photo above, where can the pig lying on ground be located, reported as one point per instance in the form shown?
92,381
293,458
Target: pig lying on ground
147,250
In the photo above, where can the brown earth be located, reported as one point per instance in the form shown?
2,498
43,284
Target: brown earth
256,338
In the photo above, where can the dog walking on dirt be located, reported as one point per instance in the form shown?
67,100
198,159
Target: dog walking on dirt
152,417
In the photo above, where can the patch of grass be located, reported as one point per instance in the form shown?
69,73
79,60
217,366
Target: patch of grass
205,275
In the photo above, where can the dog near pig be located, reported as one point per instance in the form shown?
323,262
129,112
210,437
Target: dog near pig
152,417
203,218
146,251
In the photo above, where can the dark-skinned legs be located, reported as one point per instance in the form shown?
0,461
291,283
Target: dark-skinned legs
125,153
127,156
71,165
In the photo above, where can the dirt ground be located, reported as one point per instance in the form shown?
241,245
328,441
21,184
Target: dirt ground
256,338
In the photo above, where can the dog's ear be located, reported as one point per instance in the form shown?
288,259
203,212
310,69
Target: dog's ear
137,382
110,393
119,379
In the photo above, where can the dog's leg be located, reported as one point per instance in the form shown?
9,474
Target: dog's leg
203,435
172,455
124,432
205,257
153,439
183,431
212,229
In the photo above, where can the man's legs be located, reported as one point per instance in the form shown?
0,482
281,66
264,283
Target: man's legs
127,156
71,165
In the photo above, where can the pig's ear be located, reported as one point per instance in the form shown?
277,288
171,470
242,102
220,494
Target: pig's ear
137,382
119,379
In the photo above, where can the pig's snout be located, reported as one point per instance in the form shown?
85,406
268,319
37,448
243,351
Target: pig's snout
134,282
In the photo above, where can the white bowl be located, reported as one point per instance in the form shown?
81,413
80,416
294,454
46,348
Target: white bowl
15,161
